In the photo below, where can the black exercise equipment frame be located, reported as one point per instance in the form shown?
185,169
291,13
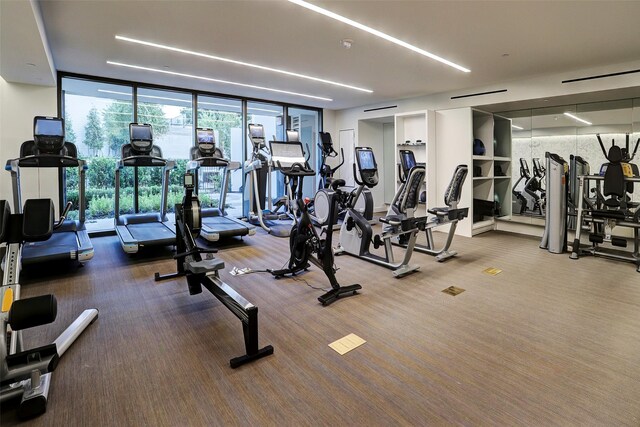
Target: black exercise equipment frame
311,247
187,250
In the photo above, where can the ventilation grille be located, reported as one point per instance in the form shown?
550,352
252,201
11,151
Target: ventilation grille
380,108
478,94
601,76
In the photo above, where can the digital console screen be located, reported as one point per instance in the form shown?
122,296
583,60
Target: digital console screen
366,160
293,136
205,136
256,131
140,132
49,127
188,180
408,160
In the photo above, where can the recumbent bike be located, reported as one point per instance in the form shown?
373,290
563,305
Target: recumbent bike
356,234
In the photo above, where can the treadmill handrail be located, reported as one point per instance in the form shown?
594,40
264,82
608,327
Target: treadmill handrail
167,163
65,161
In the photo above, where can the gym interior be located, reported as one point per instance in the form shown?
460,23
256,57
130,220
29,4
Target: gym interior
299,212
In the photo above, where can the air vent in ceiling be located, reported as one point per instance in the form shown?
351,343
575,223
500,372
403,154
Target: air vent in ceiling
601,76
478,94
380,108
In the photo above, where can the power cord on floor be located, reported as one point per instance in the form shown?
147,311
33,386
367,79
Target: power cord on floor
235,271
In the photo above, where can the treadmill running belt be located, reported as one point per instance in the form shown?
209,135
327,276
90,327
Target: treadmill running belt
224,226
59,246
152,233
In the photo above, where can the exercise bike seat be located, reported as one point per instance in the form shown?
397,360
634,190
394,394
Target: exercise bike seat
337,182
204,266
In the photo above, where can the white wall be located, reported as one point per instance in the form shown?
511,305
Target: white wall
525,89
19,103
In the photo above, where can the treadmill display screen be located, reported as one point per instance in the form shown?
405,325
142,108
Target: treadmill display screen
256,131
48,134
48,126
366,161
205,136
140,132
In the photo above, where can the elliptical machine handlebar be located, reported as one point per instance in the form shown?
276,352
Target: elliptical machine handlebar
63,216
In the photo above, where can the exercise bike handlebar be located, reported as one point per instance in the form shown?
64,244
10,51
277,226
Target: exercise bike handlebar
296,169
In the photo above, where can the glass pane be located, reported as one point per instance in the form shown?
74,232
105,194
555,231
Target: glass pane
520,149
613,121
224,116
171,115
270,116
307,123
97,117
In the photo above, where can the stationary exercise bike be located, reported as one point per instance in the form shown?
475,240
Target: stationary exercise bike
304,242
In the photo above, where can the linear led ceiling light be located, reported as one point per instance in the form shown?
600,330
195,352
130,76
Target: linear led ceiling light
577,118
233,61
517,127
377,33
209,79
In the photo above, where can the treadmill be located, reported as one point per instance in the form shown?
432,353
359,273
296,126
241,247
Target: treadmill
215,222
143,229
48,149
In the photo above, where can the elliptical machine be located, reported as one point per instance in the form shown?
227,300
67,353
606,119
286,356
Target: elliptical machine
319,206
530,196
259,168
304,242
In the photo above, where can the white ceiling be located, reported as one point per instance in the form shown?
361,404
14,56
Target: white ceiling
540,38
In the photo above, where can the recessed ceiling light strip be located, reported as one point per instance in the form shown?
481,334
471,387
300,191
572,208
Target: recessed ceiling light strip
577,118
377,33
209,79
517,127
233,61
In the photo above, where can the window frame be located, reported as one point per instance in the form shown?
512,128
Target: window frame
135,85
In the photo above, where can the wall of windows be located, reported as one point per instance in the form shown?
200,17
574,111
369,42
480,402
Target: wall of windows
97,117
97,114
224,116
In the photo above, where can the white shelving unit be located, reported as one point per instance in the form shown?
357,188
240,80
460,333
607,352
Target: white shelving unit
415,131
456,130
